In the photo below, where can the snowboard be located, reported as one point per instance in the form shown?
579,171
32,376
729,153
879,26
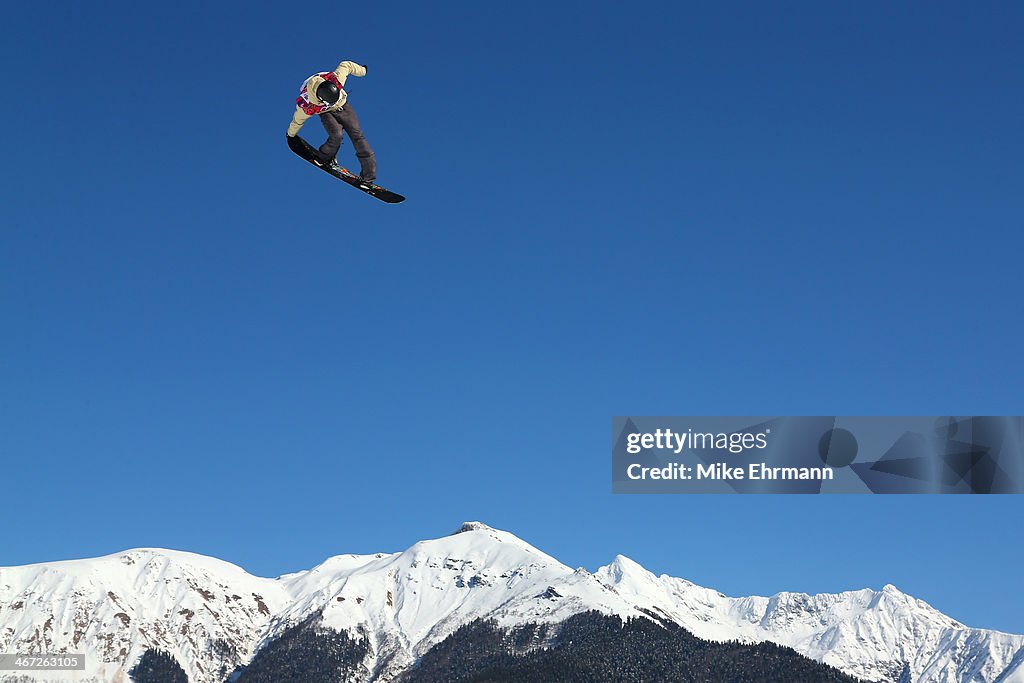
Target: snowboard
306,151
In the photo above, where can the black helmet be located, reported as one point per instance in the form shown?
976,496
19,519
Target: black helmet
328,92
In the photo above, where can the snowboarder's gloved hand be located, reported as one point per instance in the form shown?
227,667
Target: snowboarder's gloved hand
364,66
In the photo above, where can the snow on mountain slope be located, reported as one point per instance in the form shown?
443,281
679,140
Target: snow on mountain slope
212,616
1015,672
407,602
870,634
209,613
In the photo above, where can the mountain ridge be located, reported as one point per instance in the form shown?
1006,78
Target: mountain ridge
213,616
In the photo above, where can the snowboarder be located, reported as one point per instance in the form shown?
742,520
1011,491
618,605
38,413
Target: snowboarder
323,94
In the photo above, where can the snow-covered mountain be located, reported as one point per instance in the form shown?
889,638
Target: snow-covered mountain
873,635
212,616
209,613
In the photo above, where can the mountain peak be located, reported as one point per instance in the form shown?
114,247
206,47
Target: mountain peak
472,526
626,562
624,566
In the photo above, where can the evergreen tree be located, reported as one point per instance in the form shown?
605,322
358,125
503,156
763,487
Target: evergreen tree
595,648
157,666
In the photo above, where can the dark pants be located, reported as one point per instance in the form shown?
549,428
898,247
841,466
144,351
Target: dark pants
342,121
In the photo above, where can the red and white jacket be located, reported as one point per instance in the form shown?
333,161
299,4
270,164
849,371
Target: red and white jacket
307,104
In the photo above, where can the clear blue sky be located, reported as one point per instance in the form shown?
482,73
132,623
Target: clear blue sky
651,208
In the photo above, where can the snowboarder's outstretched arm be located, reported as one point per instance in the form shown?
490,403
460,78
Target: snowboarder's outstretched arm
344,70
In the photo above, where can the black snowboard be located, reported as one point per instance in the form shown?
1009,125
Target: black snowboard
306,151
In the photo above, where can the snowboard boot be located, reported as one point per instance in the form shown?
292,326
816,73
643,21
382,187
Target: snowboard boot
367,169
